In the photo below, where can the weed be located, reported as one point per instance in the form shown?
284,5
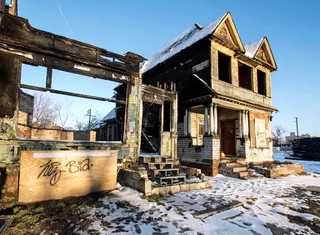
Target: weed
61,205
143,197
180,211
39,209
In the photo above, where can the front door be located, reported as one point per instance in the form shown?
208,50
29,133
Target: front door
228,137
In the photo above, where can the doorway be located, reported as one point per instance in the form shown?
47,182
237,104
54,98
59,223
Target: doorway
228,137
151,122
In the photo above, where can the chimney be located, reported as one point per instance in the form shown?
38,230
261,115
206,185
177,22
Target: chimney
13,10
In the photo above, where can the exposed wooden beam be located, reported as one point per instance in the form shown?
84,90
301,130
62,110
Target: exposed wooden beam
38,47
49,78
36,88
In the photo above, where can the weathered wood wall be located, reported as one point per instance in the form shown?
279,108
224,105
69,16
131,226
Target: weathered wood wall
47,175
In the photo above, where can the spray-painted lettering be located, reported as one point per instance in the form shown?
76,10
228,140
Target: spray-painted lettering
53,169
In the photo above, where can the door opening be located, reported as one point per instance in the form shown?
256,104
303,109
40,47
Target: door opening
228,137
151,122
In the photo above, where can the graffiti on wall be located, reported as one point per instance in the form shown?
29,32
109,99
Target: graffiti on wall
260,132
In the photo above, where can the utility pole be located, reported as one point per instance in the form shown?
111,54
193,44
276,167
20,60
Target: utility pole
89,114
297,126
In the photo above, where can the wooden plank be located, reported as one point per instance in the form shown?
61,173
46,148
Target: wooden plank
48,175
36,88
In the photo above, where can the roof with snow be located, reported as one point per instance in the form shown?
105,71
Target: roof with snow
109,116
184,40
195,34
252,48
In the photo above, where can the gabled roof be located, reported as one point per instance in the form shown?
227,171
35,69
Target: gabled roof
186,39
253,48
110,115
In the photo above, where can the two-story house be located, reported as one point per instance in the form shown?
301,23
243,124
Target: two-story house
224,93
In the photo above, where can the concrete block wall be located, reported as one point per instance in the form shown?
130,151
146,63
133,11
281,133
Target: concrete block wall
181,129
196,154
258,154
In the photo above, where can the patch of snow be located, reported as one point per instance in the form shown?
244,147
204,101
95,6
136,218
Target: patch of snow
264,201
252,47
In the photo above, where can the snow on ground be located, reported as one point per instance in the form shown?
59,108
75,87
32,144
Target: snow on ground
231,206
309,166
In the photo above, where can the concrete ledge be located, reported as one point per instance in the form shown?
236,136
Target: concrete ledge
138,181
181,188
285,169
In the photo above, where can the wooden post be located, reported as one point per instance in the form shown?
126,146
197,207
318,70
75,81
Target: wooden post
189,123
185,123
205,121
2,5
211,120
240,124
215,119
243,124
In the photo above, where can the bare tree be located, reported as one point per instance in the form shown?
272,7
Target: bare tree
84,126
44,113
277,134
63,112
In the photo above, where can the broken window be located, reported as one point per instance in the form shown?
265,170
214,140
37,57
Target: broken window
262,88
245,76
197,128
224,67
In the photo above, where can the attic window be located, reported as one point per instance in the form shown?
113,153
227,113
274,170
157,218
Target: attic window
262,86
224,67
245,76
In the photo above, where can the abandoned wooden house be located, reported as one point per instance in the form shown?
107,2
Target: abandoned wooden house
203,94
224,93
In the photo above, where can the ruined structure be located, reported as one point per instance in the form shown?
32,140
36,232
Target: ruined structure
20,43
224,92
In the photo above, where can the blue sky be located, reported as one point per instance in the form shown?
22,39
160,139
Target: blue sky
143,27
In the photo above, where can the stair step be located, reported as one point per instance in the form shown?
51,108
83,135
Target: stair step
229,164
239,169
164,172
162,165
242,174
152,159
169,180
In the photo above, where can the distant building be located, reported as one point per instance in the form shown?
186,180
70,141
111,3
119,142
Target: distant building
289,139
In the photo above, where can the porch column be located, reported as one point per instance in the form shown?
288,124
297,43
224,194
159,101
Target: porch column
185,123
243,123
189,123
211,120
240,124
246,123
215,114
205,121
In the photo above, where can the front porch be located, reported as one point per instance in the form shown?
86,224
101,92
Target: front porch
212,131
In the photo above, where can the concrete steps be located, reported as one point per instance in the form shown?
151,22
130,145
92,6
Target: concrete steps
235,168
162,170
